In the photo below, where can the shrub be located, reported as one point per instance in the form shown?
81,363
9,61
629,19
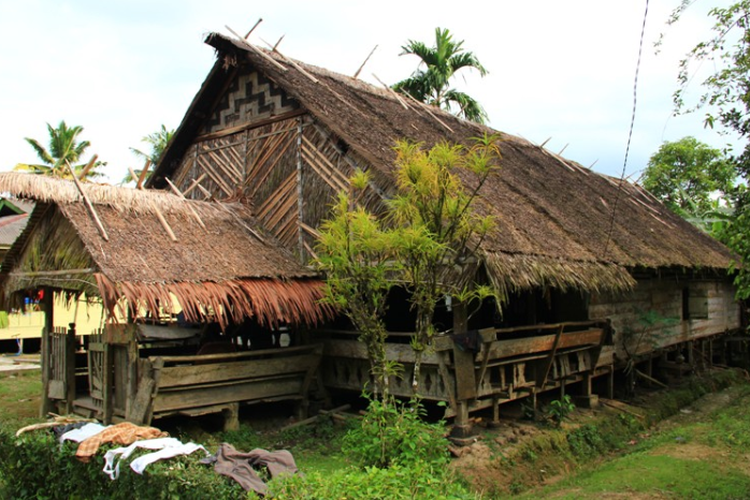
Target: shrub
559,409
417,480
393,433
36,466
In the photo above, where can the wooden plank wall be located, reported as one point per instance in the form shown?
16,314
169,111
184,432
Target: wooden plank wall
664,296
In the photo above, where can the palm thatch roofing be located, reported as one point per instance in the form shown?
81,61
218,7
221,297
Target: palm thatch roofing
558,223
218,267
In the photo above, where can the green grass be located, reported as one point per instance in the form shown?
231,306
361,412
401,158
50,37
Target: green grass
700,454
20,397
659,475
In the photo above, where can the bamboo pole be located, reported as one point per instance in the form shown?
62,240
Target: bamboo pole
146,166
88,166
363,64
395,94
87,202
165,224
256,50
240,221
182,196
194,183
260,20
426,108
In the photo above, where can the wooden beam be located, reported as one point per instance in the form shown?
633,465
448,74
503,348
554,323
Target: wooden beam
61,272
182,196
87,202
144,172
356,75
540,383
260,20
250,126
390,90
256,50
165,224
88,167
194,183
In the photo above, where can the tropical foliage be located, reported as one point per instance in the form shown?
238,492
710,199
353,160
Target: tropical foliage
688,174
424,241
726,102
158,141
64,149
430,83
695,181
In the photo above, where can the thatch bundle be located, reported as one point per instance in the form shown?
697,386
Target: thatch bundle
218,266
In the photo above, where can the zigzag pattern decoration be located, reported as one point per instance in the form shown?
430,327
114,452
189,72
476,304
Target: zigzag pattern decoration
250,97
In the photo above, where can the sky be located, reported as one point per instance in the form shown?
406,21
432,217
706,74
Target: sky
560,72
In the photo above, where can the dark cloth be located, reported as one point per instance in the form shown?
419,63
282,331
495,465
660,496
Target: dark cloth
470,341
239,465
62,429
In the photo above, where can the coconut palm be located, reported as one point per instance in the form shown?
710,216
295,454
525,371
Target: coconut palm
64,148
159,141
431,84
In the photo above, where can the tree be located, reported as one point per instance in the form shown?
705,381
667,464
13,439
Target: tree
64,148
688,175
726,101
441,62
425,240
356,253
439,227
158,141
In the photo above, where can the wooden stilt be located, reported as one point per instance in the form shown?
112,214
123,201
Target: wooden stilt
70,368
231,416
48,305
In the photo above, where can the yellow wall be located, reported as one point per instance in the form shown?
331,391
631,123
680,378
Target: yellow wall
24,325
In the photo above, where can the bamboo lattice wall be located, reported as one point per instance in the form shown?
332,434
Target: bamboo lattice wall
270,161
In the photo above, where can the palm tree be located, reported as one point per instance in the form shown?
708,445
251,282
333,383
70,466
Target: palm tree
431,85
159,141
64,149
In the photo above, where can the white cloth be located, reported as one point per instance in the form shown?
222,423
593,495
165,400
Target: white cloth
82,433
169,447
140,463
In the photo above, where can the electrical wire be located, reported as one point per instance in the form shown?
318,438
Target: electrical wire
630,136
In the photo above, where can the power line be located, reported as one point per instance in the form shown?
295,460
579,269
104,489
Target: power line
630,135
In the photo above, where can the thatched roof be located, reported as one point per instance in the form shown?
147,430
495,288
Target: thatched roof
219,264
555,218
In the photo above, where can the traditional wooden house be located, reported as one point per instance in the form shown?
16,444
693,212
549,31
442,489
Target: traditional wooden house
579,255
199,302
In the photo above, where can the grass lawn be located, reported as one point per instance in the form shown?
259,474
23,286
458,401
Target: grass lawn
20,398
703,453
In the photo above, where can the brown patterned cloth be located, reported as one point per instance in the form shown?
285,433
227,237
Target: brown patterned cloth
124,434
239,465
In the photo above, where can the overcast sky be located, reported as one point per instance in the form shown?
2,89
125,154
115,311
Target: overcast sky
556,69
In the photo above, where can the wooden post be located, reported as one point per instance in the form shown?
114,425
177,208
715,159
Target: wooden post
649,370
587,399
300,200
465,378
611,382
49,319
495,412
107,399
70,368
231,416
